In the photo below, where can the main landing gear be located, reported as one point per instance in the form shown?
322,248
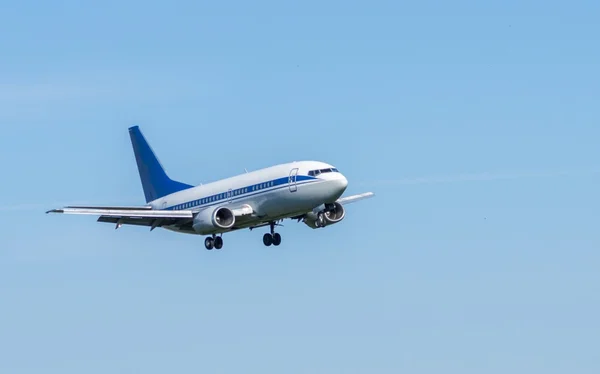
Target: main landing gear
213,242
272,238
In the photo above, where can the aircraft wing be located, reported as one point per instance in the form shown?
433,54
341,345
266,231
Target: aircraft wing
141,216
355,198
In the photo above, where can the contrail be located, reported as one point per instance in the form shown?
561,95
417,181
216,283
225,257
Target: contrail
486,176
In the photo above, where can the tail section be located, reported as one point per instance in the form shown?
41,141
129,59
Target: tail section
155,181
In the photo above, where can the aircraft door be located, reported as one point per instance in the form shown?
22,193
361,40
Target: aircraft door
229,196
292,180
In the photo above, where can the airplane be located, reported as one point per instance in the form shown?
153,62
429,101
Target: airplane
307,191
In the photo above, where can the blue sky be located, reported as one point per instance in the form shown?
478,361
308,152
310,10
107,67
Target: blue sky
476,125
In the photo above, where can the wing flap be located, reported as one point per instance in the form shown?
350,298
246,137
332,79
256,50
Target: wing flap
126,221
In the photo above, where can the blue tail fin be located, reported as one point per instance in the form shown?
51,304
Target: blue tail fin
155,181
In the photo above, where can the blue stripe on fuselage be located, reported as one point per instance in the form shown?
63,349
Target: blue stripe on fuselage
244,192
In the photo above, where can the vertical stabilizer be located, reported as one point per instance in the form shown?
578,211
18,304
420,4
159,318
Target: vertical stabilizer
155,181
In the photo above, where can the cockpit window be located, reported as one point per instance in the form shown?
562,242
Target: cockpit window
314,173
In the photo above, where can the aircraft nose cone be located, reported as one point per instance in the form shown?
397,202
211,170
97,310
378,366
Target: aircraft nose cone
342,183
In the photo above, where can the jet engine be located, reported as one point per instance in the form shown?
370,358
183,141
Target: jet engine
209,220
325,215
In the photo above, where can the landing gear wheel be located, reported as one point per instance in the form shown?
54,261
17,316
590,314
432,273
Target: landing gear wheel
218,242
276,239
209,243
268,239
321,219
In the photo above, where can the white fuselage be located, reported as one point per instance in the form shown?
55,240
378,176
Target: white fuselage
273,193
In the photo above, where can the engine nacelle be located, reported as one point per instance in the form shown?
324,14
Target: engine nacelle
209,220
322,217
